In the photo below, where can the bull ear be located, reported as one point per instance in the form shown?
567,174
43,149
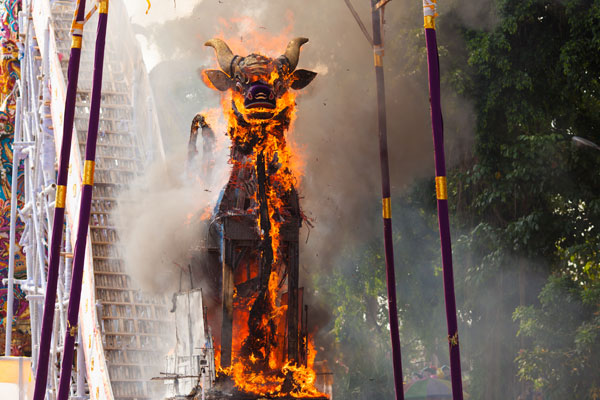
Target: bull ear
215,79
301,78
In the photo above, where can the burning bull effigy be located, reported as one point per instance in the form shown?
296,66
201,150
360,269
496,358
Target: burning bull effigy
251,252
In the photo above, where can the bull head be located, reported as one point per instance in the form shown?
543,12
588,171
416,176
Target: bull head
261,81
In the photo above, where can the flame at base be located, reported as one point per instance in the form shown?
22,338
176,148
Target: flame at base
288,381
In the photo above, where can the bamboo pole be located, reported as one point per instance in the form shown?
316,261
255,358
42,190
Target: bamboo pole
386,202
429,10
85,206
41,376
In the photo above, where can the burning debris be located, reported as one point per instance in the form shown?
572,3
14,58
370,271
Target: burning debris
251,252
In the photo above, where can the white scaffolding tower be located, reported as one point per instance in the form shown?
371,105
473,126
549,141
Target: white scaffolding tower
129,138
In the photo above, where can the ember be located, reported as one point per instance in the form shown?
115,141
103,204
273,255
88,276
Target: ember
264,348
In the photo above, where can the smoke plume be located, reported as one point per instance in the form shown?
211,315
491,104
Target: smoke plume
335,133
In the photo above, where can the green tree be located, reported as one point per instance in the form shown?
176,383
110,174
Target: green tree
528,201
563,359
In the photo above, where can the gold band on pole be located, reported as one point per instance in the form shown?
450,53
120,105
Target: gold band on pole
378,60
387,208
88,172
76,43
61,196
441,188
429,22
429,12
103,9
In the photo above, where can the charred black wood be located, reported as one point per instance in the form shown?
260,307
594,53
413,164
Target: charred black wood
292,312
261,333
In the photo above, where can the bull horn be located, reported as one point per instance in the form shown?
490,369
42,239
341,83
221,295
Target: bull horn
224,54
292,52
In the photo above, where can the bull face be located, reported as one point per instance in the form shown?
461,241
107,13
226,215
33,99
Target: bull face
258,80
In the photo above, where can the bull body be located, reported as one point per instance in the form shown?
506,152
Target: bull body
253,236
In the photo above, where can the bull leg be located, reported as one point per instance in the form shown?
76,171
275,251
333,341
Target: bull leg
227,302
292,311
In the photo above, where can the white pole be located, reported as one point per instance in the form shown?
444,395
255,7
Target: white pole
13,225
80,367
21,379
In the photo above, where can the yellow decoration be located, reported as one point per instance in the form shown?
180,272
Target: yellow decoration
88,172
429,12
72,329
441,188
103,9
387,208
149,5
76,43
429,22
61,196
378,60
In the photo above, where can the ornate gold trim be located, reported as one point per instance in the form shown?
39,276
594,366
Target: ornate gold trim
378,60
387,208
429,22
441,188
103,9
61,196
76,43
88,172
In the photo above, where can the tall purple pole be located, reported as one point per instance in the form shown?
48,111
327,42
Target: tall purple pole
41,376
442,195
85,207
387,202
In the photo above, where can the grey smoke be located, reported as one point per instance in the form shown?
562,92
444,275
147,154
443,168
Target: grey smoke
160,215
336,126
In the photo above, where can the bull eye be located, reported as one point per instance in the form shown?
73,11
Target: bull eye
271,96
249,96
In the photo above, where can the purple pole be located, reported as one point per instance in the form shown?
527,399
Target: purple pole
442,196
387,204
41,376
85,206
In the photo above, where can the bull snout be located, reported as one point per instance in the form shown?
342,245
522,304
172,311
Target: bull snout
260,95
